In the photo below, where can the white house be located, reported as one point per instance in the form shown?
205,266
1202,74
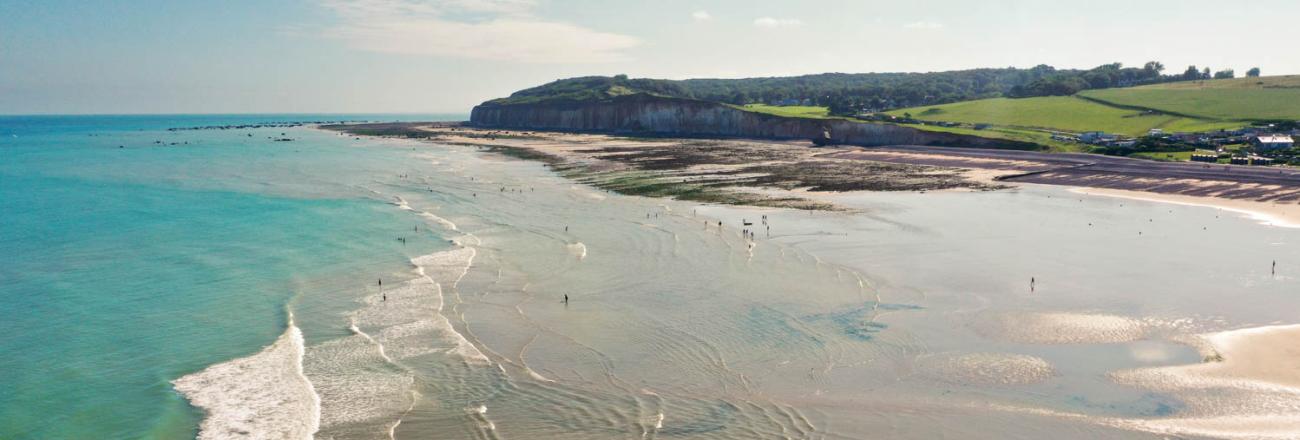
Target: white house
1096,137
1272,142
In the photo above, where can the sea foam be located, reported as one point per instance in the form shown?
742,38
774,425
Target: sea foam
264,395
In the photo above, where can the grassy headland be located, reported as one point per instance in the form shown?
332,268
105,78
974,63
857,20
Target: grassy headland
791,111
1058,113
1042,106
1229,100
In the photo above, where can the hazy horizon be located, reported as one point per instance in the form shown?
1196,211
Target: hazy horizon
444,56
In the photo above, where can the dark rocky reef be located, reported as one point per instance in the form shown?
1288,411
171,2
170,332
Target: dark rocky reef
649,115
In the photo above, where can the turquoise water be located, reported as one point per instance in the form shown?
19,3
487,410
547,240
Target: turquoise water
122,269
221,284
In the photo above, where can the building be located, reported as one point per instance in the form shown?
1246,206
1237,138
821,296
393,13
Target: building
1272,142
1155,132
1091,136
1253,160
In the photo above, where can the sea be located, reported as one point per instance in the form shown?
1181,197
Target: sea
253,276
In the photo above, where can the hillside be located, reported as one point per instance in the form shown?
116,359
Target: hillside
1239,99
644,114
849,92
1058,113
970,98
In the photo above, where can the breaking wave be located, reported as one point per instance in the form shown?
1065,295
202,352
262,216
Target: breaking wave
265,395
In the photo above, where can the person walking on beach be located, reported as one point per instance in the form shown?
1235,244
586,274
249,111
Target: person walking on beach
566,299
1032,281
1274,267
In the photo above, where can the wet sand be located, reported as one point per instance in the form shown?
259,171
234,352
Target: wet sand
967,330
702,170
712,170
1269,213
1240,392
1270,186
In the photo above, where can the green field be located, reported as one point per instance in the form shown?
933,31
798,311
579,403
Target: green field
1176,156
793,111
1265,98
1012,134
1188,106
1058,113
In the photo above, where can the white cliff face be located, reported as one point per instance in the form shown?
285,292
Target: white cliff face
683,117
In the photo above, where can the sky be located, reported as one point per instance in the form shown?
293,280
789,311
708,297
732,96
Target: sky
445,56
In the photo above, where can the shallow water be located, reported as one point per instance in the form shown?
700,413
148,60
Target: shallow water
913,317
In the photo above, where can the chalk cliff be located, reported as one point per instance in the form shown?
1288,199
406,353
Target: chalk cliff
645,114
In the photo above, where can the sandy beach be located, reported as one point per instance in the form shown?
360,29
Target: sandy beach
1229,384
1241,391
718,170
1285,215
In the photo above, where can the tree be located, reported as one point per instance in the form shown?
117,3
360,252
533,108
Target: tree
739,98
1225,74
1205,74
1155,67
1191,73
1253,72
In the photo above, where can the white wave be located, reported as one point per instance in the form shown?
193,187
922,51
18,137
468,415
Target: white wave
578,250
360,389
265,395
399,202
363,381
439,220
446,266
537,376
404,320
479,413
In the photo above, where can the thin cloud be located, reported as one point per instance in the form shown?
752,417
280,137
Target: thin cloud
701,16
499,30
923,25
770,22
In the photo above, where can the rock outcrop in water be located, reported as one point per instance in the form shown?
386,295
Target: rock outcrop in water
643,114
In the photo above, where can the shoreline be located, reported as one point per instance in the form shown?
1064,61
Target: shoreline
576,157
763,173
1248,368
1269,214
728,171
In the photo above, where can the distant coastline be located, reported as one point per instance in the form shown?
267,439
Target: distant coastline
728,170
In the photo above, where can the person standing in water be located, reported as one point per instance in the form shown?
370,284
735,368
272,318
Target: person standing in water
1032,281
566,298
